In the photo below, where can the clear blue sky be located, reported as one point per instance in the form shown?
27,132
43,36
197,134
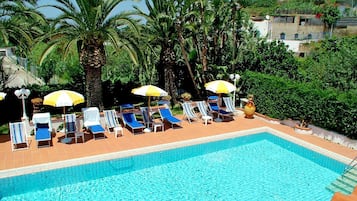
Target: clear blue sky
124,6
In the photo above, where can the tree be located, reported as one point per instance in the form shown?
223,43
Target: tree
269,58
20,24
330,15
160,31
332,64
88,25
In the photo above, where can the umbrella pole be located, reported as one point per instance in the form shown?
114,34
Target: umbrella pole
147,129
64,121
148,126
219,119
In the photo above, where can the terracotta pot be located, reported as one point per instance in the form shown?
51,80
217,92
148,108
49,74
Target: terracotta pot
249,110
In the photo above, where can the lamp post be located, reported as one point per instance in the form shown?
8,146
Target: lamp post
234,78
23,94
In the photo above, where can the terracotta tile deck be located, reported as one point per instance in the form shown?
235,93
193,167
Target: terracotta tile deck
59,151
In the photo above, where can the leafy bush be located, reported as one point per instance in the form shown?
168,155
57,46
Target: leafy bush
281,98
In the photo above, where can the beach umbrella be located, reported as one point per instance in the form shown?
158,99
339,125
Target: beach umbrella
220,87
63,98
2,96
149,90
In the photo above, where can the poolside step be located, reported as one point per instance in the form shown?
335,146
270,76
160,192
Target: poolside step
345,183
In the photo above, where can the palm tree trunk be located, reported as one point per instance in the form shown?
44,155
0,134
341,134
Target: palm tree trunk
94,87
92,58
184,54
168,58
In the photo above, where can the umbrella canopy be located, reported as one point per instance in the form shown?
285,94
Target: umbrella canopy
63,98
2,96
220,87
149,90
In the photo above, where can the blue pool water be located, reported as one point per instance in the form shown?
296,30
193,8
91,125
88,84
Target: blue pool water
255,167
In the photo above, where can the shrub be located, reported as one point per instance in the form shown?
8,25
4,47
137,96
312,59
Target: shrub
281,98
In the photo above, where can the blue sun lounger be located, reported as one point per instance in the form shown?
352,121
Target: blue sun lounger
215,109
129,120
166,115
91,121
43,128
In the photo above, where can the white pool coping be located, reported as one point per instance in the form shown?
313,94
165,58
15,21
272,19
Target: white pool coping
162,147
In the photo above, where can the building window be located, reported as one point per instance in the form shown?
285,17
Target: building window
282,36
309,36
284,19
296,36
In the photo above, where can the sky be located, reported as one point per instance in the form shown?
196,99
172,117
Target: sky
126,5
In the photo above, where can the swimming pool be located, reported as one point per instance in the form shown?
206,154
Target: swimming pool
261,166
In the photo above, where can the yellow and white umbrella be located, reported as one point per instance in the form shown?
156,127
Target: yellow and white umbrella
220,87
63,98
2,96
149,90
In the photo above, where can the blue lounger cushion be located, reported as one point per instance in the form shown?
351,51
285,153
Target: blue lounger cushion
172,119
130,120
96,129
166,115
43,134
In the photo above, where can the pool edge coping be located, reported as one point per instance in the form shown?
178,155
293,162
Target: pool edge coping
162,147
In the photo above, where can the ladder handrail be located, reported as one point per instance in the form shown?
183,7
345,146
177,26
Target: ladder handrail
350,165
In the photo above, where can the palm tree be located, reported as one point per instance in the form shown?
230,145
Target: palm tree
160,31
90,25
20,24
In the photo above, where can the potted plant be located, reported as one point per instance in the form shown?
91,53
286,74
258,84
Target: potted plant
186,96
303,126
36,103
249,108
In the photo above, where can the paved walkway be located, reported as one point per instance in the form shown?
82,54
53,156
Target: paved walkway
60,151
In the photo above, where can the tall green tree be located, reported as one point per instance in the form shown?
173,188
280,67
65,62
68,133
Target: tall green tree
88,26
20,24
330,15
160,32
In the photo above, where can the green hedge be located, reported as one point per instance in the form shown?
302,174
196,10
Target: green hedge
282,99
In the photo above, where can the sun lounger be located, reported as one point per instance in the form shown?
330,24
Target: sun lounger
188,112
203,109
18,136
42,128
91,121
149,121
166,115
215,109
112,123
229,105
70,124
130,121
71,127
